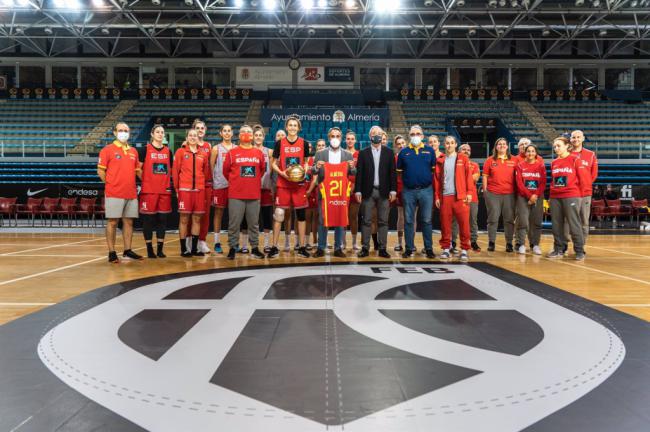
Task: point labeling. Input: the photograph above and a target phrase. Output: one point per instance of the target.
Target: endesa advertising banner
(377, 116)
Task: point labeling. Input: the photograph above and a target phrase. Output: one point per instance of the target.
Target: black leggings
(156, 221)
(266, 217)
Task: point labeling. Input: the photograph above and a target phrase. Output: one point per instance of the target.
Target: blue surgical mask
(375, 139)
(416, 140)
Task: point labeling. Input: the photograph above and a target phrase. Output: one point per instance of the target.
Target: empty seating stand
(432, 115)
(214, 112)
(614, 129)
(47, 127)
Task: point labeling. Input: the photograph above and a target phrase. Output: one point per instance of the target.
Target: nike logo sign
(30, 193)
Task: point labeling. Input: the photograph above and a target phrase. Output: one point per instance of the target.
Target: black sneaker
(383, 254)
(186, 254)
(320, 253)
(509, 247)
(112, 258)
(273, 252)
(430, 254)
(517, 246)
(243, 250)
(150, 252)
(339, 253)
(407, 254)
(491, 247)
(198, 253)
(454, 251)
(302, 252)
(231, 253)
(476, 247)
(255, 253)
(160, 254)
(363, 253)
(132, 255)
(398, 248)
(267, 249)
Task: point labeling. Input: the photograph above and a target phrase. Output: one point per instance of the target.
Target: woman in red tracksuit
(531, 182)
(568, 174)
(453, 196)
(190, 170)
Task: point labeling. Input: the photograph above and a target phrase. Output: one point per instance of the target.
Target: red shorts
(220, 197)
(286, 198)
(191, 202)
(267, 198)
(151, 203)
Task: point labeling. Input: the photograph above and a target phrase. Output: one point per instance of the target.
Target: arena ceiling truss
(345, 29)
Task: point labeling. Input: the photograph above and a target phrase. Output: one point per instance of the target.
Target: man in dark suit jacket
(375, 187)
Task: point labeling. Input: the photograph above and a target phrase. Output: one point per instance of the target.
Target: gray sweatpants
(529, 221)
(498, 206)
(383, 207)
(585, 215)
(566, 209)
(473, 224)
(237, 210)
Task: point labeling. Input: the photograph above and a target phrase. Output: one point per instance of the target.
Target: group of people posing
(262, 189)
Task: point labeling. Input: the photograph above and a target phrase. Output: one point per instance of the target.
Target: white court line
(628, 304)
(22, 423)
(618, 251)
(51, 255)
(33, 275)
(585, 267)
(26, 304)
(52, 246)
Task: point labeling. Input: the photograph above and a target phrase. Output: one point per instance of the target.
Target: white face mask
(416, 140)
(335, 143)
(122, 137)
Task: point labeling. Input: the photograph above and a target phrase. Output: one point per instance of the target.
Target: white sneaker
(464, 257)
(537, 250)
(445, 254)
(355, 247)
(203, 247)
(522, 250)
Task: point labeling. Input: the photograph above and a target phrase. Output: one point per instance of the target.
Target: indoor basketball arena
(324, 215)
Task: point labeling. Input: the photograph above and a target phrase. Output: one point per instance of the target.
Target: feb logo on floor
(340, 347)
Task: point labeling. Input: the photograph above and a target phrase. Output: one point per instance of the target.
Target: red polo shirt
(501, 175)
(120, 161)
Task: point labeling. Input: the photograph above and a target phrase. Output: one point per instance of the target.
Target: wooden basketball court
(39, 270)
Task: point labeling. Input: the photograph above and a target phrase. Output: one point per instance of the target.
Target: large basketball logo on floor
(360, 348)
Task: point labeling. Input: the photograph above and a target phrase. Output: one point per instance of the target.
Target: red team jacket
(588, 160)
(335, 193)
(190, 170)
(531, 179)
(462, 175)
(567, 177)
(244, 168)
